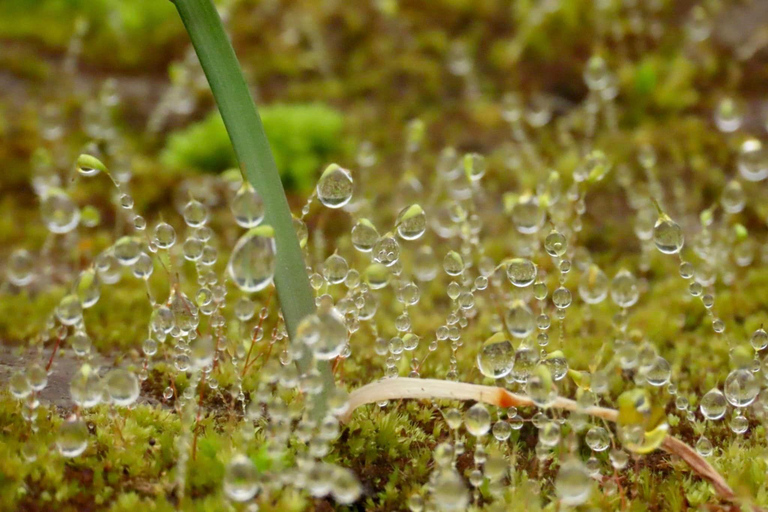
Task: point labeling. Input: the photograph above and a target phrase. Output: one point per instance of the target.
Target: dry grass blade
(435, 389)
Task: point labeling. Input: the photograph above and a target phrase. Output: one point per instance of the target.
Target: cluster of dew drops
(376, 305)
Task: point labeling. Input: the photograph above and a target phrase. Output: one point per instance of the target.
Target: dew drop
(241, 479)
(60, 214)
(496, 357)
(72, 438)
(411, 222)
(247, 207)
(253, 260)
(334, 189)
(122, 386)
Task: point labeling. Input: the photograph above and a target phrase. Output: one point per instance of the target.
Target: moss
(303, 137)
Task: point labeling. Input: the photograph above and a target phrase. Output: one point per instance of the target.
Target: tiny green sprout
(88, 165)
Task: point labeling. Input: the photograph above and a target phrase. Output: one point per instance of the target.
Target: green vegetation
(563, 202)
(302, 138)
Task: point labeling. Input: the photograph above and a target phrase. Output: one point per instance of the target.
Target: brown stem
(432, 389)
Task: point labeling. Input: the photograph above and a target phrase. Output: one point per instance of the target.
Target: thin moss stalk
(219, 62)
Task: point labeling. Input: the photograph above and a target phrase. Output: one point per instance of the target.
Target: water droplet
(241, 479)
(364, 235)
(72, 438)
(521, 272)
(555, 244)
(127, 251)
(386, 251)
(667, 235)
(334, 189)
(20, 268)
(69, 311)
(519, 320)
(60, 214)
(659, 373)
(247, 207)
(411, 222)
(593, 285)
(122, 386)
(477, 419)
(324, 332)
(759, 339)
(753, 160)
(713, 404)
(335, 269)
(88, 165)
(741, 388)
(195, 213)
(19, 385)
(573, 483)
(495, 357)
(624, 290)
(453, 263)
(85, 388)
(527, 215)
(733, 197)
(165, 235)
(88, 288)
(474, 166)
(704, 447)
(598, 439)
(253, 260)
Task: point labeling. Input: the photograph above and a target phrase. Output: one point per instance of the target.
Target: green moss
(303, 138)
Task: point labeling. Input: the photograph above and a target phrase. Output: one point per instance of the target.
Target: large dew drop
(593, 285)
(334, 189)
(713, 405)
(364, 235)
(521, 272)
(60, 214)
(72, 438)
(20, 268)
(324, 332)
(573, 483)
(241, 479)
(519, 320)
(411, 222)
(668, 235)
(122, 386)
(496, 357)
(247, 207)
(252, 263)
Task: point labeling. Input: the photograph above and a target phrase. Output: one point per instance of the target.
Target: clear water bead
(247, 207)
(477, 419)
(573, 483)
(253, 260)
(72, 438)
(411, 222)
(624, 290)
(453, 263)
(20, 268)
(713, 404)
(165, 235)
(593, 285)
(334, 189)
(364, 235)
(195, 213)
(521, 272)
(241, 479)
(741, 388)
(60, 214)
(668, 235)
(122, 386)
(496, 357)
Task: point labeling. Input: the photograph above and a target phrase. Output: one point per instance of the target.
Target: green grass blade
(246, 132)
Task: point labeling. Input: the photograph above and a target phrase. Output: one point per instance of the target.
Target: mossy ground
(379, 75)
